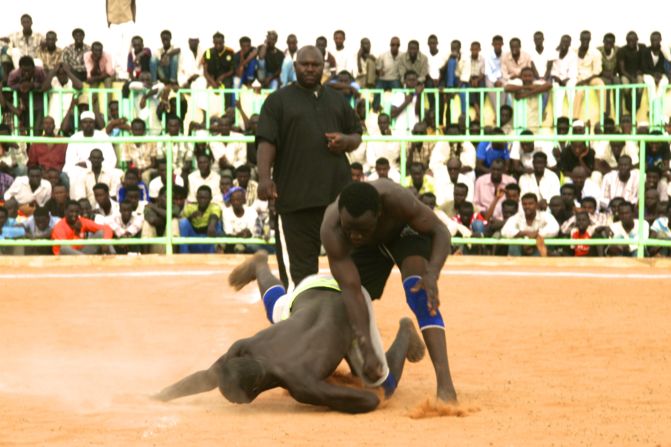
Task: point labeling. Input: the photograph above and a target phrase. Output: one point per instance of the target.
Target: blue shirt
(10, 231)
(487, 153)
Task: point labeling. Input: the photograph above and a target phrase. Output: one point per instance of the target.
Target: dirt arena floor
(543, 352)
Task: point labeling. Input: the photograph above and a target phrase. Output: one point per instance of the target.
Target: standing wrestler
(372, 227)
(302, 350)
(304, 133)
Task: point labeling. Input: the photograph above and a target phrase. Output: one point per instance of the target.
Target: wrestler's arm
(336, 397)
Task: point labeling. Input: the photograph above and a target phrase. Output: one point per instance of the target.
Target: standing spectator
(328, 72)
(218, 68)
(75, 227)
(564, 75)
(527, 93)
(288, 74)
(436, 60)
(414, 60)
(656, 77)
(609, 67)
(303, 126)
(529, 223)
(28, 80)
(200, 219)
(472, 75)
(486, 185)
(387, 69)
(621, 183)
(100, 71)
(514, 61)
(120, 21)
(245, 63)
(493, 73)
(59, 79)
(138, 60)
(73, 54)
(540, 58)
(29, 191)
(50, 55)
(270, 62)
(589, 70)
(542, 182)
(405, 108)
(365, 66)
(25, 42)
(343, 58)
(631, 70)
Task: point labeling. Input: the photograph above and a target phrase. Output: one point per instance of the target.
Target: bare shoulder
(395, 198)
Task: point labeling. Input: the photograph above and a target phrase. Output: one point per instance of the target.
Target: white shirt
(612, 186)
(544, 223)
(493, 67)
(80, 152)
(407, 119)
(188, 64)
(59, 102)
(590, 65)
(436, 62)
(443, 150)
(620, 233)
(156, 184)
(134, 225)
(234, 224)
(21, 191)
(102, 218)
(345, 61)
(391, 150)
(527, 158)
(566, 67)
(545, 189)
(82, 186)
(393, 175)
(235, 153)
(540, 61)
(196, 181)
(589, 189)
(445, 187)
(603, 151)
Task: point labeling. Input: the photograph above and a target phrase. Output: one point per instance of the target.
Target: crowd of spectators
(536, 190)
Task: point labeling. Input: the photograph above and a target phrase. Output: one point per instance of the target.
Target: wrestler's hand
(372, 368)
(337, 142)
(429, 283)
(267, 189)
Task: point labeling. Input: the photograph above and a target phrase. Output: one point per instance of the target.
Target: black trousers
(298, 244)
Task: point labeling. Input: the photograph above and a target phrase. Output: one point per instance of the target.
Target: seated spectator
(99, 65)
(218, 69)
(288, 74)
(487, 184)
(651, 205)
(522, 153)
(419, 179)
(9, 228)
(451, 208)
(487, 152)
(159, 181)
(528, 93)
(83, 186)
(542, 182)
(383, 170)
(589, 70)
(494, 225)
(608, 153)
(583, 229)
(589, 205)
(75, 227)
(391, 150)
(126, 224)
(13, 156)
(86, 209)
(201, 219)
(239, 220)
(530, 224)
(77, 155)
(47, 155)
(203, 176)
(227, 155)
(405, 107)
(584, 186)
(115, 123)
(471, 76)
(165, 64)
(140, 156)
(105, 209)
(245, 63)
(576, 154)
(660, 230)
(182, 153)
(626, 228)
(58, 201)
(225, 185)
(132, 177)
(29, 191)
(138, 60)
(346, 85)
(243, 179)
(357, 172)
(471, 219)
(270, 60)
(134, 196)
(429, 199)
(621, 183)
(463, 151)
(39, 226)
(657, 153)
(445, 183)
(495, 210)
(154, 224)
(60, 82)
(365, 65)
(73, 54)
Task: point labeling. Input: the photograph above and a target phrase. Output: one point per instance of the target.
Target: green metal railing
(168, 240)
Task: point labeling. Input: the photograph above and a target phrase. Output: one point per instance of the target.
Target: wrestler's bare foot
(245, 273)
(416, 348)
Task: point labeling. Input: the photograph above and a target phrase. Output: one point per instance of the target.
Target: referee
(303, 135)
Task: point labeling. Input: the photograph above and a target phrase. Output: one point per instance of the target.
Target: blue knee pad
(418, 302)
(389, 385)
(270, 298)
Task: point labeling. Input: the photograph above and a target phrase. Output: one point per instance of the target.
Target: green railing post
(168, 198)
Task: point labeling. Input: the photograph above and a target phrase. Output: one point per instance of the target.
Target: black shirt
(631, 58)
(568, 160)
(274, 59)
(306, 173)
(219, 63)
(647, 64)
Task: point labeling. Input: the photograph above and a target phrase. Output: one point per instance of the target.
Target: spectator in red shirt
(74, 226)
(48, 155)
(582, 230)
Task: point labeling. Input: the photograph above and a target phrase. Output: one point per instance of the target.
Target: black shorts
(375, 262)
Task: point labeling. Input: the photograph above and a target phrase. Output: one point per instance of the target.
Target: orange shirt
(580, 250)
(63, 231)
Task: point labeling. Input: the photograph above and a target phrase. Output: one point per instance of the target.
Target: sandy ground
(550, 352)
